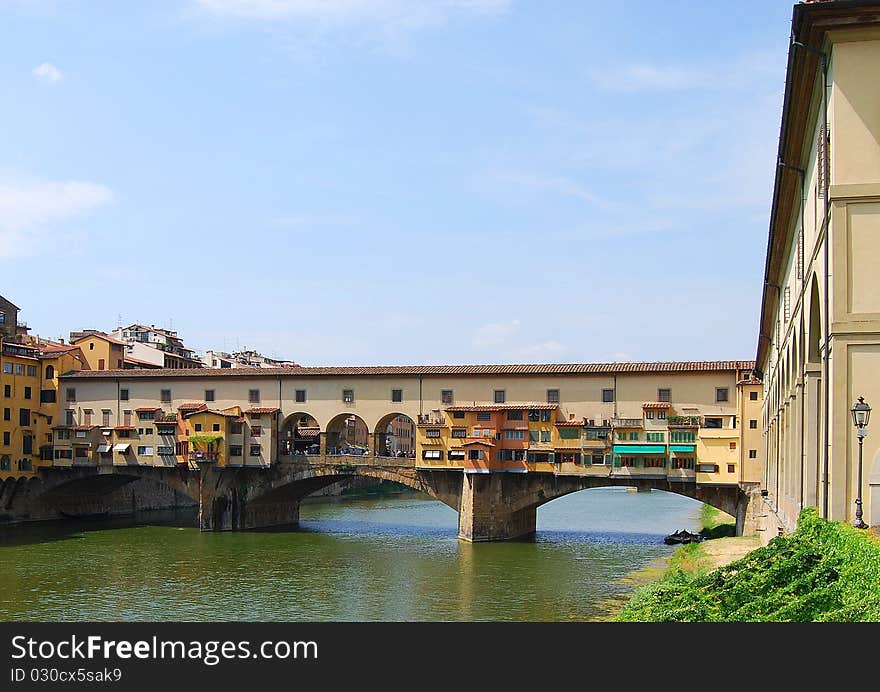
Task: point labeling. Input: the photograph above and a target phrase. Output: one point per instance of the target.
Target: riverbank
(825, 571)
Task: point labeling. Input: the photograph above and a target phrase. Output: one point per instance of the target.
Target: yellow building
(102, 352)
(819, 343)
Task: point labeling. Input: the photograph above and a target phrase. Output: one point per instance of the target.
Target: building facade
(676, 420)
(819, 341)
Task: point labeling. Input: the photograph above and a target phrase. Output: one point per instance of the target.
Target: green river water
(393, 558)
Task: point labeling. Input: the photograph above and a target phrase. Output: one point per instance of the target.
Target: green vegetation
(825, 571)
(716, 523)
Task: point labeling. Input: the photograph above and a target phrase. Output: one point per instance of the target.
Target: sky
(357, 182)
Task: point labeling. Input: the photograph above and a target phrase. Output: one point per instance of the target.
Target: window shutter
(821, 161)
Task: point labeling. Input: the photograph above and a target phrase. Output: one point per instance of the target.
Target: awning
(103, 449)
(683, 448)
(121, 447)
(639, 449)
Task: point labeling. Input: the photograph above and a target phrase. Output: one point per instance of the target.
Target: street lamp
(861, 414)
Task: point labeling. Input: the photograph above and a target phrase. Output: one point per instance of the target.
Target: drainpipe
(823, 64)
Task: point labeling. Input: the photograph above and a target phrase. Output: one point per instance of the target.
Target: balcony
(204, 456)
(432, 419)
(627, 423)
(684, 421)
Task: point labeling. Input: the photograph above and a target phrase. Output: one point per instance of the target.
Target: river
(391, 558)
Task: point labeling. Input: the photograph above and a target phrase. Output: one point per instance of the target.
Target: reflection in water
(395, 559)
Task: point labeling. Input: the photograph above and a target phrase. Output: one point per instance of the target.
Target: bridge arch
(299, 434)
(394, 435)
(347, 433)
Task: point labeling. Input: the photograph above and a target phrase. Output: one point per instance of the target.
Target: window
(215, 427)
(682, 436)
(7, 390)
(68, 416)
(235, 450)
(123, 395)
(514, 434)
(256, 430)
(300, 396)
(254, 396)
(626, 461)
(432, 454)
(661, 415)
(396, 395)
(209, 395)
(27, 444)
(71, 394)
(148, 431)
(545, 416)
(570, 433)
(165, 450)
(487, 432)
(347, 396)
(432, 433)
(64, 454)
(101, 364)
(446, 396)
(147, 415)
(256, 450)
(235, 427)
(145, 451)
(753, 454)
(649, 415)
(545, 436)
(499, 396)
(534, 435)
(731, 468)
(514, 415)
(24, 417)
(655, 462)
(105, 418)
(455, 455)
(6, 438)
(19, 369)
(27, 392)
(655, 437)
(707, 468)
(198, 427)
(633, 436)
(475, 454)
(126, 417)
(753, 396)
(458, 414)
(484, 416)
(683, 463)
(732, 445)
(664, 395)
(552, 396)
(714, 423)
(31, 370)
(7, 368)
(2, 317)
(92, 346)
(165, 396)
(459, 433)
(721, 394)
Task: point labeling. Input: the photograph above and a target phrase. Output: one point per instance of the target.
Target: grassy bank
(825, 571)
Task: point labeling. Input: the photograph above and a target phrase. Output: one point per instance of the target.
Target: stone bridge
(491, 507)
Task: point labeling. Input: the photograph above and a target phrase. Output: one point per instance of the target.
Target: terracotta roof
(308, 432)
(750, 381)
(125, 427)
(147, 408)
(503, 407)
(196, 412)
(257, 411)
(485, 443)
(657, 404)
(85, 427)
(569, 423)
(192, 406)
(429, 370)
(105, 337)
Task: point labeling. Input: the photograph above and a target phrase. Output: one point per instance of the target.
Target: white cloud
(558, 184)
(26, 207)
(48, 73)
(495, 334)
(392, 13)
(544, 350)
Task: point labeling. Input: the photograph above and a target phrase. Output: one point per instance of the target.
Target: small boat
(683, 536)
(95, 516)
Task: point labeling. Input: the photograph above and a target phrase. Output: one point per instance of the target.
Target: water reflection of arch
(395, 435)
(347, 433)
(300, 434)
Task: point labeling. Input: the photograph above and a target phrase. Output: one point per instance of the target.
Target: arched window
(50, 372)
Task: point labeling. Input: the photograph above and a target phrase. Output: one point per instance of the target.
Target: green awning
(639, 449)
(683, 448)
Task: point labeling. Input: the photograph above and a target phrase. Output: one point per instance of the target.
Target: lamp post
(861, 414)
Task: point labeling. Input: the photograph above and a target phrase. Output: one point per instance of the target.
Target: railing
(627, 422)
(684, 421)
(204, 456)
(426, 419)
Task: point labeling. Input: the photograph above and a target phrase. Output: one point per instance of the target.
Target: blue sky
(394, 181)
